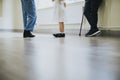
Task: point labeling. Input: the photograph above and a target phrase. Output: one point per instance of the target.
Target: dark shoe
(93, 33)
(28, 34)
(59, 35)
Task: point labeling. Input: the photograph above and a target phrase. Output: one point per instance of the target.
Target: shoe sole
(94, 34)
(28, 36)
(59, 36)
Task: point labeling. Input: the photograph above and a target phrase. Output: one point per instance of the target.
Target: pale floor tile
(47, 58)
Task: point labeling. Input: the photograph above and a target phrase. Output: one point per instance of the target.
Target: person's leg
(94, 13)
(61, 25)
(29, 17)
(87, 13)
(24, 13)
(31, 14)
(91, 9)
(90, 13)
(61, 29)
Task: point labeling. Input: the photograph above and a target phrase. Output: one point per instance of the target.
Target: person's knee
(33, 17)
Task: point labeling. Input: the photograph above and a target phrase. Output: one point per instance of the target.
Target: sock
(62, 32)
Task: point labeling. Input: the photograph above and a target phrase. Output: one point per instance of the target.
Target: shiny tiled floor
(47, 58)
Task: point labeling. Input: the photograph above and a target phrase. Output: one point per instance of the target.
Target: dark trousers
(91, 12)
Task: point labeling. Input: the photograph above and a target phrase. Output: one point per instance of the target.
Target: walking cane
(81, 24)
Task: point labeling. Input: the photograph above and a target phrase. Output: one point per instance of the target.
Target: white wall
(73, 14)
(12, 15)
(41, 4)
(7, 17)
(17, 12)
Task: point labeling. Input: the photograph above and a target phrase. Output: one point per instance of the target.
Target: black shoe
(28, 34)
(59, 35)
(93, 33)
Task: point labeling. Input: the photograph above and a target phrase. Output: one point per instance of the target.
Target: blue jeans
(29, 14)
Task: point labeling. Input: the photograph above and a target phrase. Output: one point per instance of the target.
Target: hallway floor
(47, 58)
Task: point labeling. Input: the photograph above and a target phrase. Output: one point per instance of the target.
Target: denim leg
(24, 13)
(29, 14)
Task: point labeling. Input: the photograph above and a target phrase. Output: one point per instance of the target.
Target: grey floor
(47, 58)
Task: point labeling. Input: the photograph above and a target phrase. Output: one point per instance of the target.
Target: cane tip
(79, 34)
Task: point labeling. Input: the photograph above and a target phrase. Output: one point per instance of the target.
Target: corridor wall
(73, 15)
(0, 8)
(109, 14)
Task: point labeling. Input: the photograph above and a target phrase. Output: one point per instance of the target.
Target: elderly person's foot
(28, 34)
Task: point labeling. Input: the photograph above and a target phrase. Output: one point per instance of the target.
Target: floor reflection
(103, 60)
(49, 58)
(12, 65)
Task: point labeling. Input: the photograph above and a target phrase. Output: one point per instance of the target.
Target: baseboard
(46, 31)
(11, 30)
(104, 33)
(51, 31)
(110, 33)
